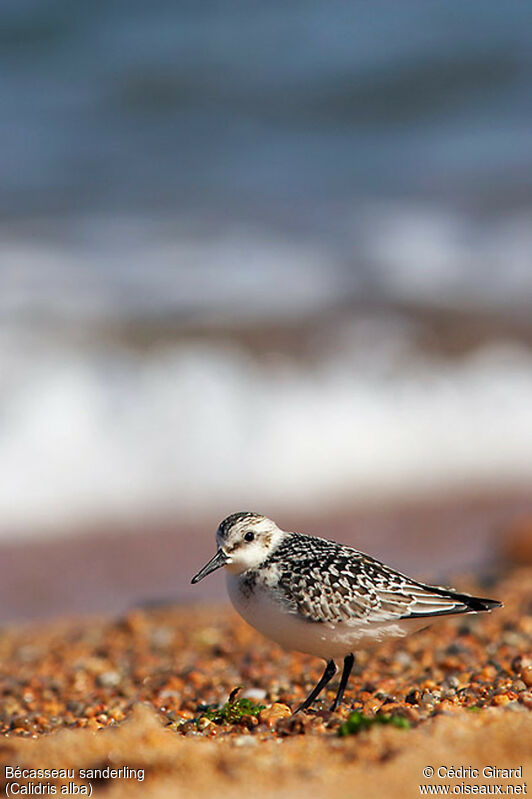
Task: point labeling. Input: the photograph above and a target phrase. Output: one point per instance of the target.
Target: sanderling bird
(323, 598)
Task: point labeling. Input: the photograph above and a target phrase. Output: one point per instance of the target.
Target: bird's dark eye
(249, 536)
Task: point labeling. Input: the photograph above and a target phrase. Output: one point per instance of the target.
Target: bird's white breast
(270, 616)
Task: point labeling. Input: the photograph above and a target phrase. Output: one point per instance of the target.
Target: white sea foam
(131, 267)
(92, 429)
(432, 254)
(207, 430)
(93, 268)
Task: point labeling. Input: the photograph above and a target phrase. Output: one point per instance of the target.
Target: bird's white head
(245, 540)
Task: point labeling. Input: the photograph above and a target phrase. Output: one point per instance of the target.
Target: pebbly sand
(97, 693)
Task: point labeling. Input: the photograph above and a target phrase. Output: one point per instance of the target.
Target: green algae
(231, 712)
(357, 722)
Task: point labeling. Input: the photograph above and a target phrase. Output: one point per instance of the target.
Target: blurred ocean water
(263, 106)
(173, 170)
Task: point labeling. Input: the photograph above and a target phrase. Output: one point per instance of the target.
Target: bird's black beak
(219, 560)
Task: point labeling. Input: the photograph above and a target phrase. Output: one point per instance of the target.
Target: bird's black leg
(328, 674)
(348, 665)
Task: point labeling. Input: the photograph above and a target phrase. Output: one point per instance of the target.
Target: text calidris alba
(320, 597)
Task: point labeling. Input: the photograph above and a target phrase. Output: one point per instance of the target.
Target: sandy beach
(137, 693)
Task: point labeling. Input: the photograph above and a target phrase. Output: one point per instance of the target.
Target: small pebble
(257, 694)
(501, 699)
(108, 679)
(272, 714)
(205, 724)
(526, 676)
(244, 740)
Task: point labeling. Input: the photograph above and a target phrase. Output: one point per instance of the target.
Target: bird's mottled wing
(328, 582)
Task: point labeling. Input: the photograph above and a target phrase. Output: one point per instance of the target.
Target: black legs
(328, 674)
(348, 665)
(326, 677)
